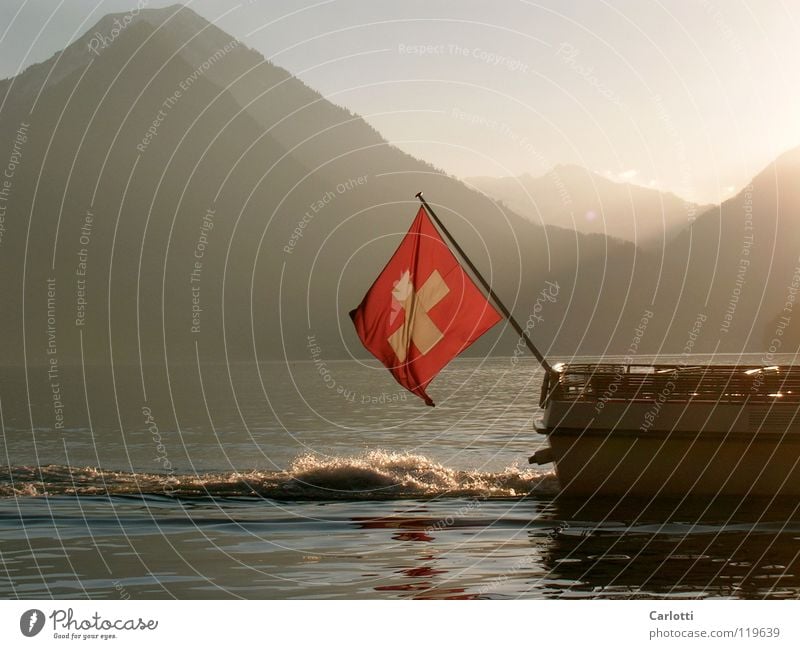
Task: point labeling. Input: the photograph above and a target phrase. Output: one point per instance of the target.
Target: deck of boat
(634, 429)
(682, 383)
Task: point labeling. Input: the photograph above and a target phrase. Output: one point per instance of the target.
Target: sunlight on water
(372, 475)
(317, 493)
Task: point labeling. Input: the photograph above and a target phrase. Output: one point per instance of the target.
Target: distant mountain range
(742, 260)
(570, 196)
(231, 208)
(176, 196)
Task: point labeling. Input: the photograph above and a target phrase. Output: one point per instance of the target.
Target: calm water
(274, 481)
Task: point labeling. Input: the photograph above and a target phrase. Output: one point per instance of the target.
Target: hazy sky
(693, 96)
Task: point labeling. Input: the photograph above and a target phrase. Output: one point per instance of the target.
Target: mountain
(572, 197)
(172, 201)
(177, 195)
(745, 262)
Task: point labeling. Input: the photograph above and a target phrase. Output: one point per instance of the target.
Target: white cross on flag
(423, 310)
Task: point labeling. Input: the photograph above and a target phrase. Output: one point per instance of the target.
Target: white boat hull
(677, 447)
(675, 464)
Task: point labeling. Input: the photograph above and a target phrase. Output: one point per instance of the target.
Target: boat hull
(675, 463)
(673, 430)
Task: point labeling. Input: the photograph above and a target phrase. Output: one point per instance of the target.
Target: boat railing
(664, 382)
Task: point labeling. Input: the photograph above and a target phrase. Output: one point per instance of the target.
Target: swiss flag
(423, 310)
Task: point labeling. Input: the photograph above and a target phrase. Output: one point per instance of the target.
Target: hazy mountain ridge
(750, 253)
(157, 169)
(270, 156)
(573, 197)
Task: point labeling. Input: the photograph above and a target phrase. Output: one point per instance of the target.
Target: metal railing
(718, 383)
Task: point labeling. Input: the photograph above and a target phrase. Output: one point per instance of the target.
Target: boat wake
(373, 475)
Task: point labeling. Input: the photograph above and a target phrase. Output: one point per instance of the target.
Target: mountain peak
(790, 158)
(177, 21)
(573, 197)
(153, 15)
(193, 37)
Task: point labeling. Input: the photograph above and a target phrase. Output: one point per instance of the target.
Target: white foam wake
(374, 474)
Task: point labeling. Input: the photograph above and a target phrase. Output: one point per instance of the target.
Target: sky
(689, 96)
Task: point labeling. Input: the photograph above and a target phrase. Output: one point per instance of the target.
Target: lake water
(325, 480)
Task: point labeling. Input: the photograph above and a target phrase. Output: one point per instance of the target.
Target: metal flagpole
(506, 313)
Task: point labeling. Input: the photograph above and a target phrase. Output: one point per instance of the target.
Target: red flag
(423, 310)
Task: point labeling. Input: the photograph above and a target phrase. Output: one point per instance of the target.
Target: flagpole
(498, 302)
